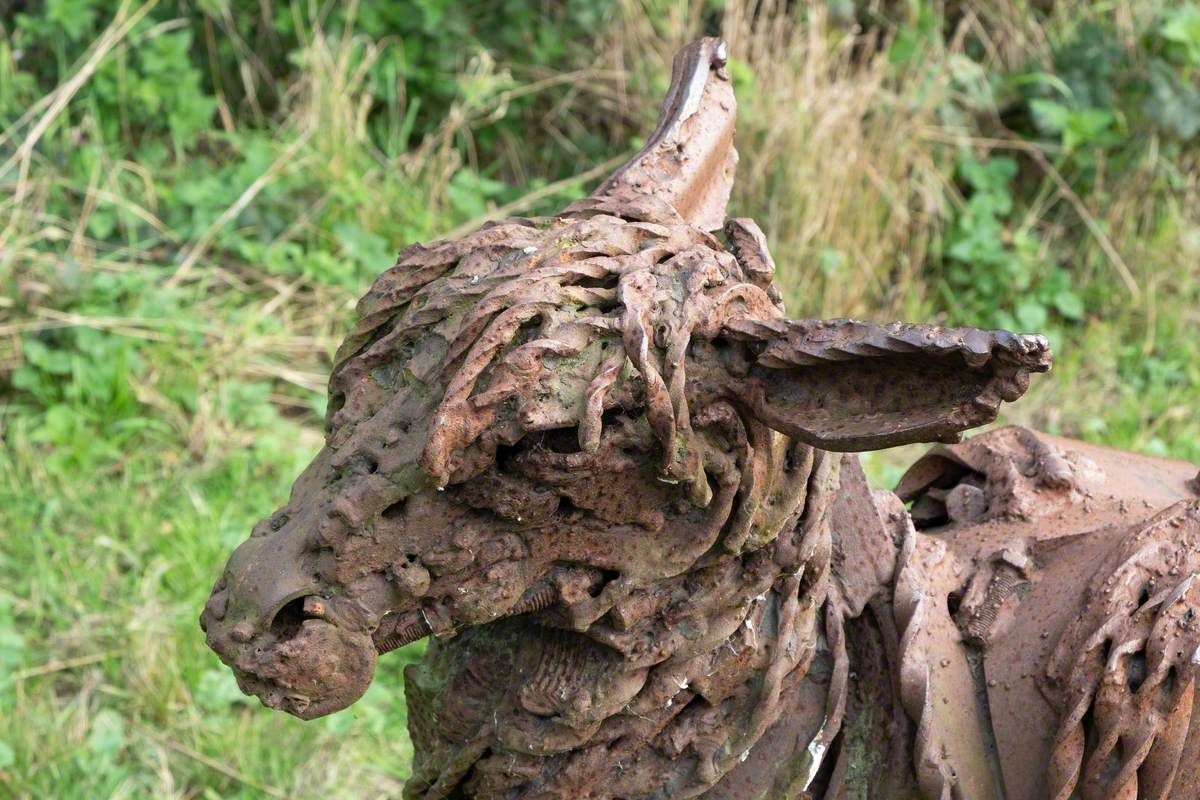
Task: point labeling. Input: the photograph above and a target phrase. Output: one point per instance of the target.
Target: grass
(189, 212)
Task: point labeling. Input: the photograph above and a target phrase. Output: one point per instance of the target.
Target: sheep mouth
(305, 663)
(309, 668)
(275, 696)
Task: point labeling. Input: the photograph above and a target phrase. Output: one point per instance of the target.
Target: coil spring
(539, 601)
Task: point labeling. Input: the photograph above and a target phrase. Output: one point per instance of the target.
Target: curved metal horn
(689, 160)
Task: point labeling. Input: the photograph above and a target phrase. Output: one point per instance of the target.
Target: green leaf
(1172, 103)
(743, 77)
(469, 192)
(102, 223)
(1050, 116)
(60, 425)
(107, 738)
(49, 360)
(904, 47)
(1181, 26)
(1068, 304)
(370, 251)
(74, 17)
(1087, 127)
(1031, 315)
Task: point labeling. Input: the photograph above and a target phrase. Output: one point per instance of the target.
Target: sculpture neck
(689, 160)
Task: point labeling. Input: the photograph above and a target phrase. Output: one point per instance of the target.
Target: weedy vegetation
(193, 194)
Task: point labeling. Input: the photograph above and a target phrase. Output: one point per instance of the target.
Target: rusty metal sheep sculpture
(593, 459)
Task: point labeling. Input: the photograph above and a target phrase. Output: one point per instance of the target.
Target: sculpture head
(572, 418)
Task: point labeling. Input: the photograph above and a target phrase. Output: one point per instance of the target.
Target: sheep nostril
(288, 620)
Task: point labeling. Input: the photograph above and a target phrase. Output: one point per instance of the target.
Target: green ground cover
(193, 194)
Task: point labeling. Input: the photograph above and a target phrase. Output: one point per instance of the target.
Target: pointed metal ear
(849, 385)
(689, 160)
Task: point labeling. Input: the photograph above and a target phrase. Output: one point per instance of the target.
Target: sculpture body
(591, 456)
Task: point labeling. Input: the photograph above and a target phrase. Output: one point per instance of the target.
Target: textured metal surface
(1061, 573)
(590, 456)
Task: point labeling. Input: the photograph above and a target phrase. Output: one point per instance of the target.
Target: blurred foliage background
(193, 194)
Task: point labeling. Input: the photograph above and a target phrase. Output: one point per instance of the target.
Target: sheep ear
(847, 385)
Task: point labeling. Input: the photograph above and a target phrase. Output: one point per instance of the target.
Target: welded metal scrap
(593, 459)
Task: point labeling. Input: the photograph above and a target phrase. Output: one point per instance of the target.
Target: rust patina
(591, 456)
